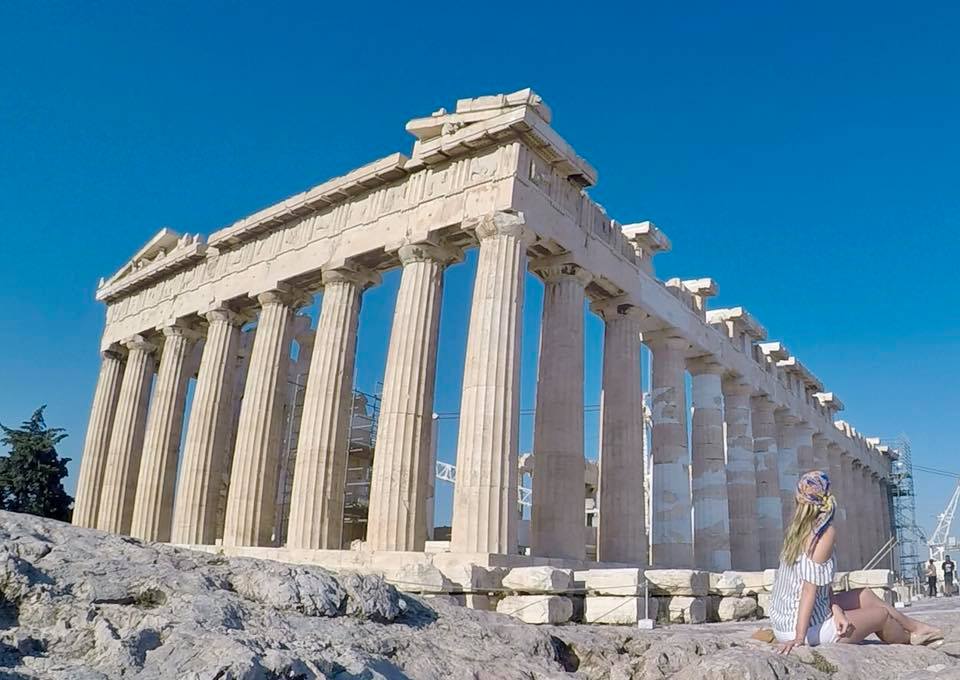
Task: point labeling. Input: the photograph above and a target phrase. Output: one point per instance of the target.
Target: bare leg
(893, 633)
(869, 600)
(866, 621)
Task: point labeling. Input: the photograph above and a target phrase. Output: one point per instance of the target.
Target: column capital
(139, 342)
(667, 338)
(737, 385)
(785, 417)
(180, 330)
(283, 294)
(610, 309)
(114, 351)
(705, 365)
(552, 271)
(428, 252)
(225, 315)
(499, 224)
(360, 276)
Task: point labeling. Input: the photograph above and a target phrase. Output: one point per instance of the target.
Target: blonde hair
(800, 529)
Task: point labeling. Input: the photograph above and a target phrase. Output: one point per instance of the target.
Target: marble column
(319, 477)
(621, 534)
(864, 538)
(741, 476)
(821, 460)
(485, 496)
(126, 439)
(402, 462)
(769, 506)
(711, 510)
(835, 471)
(804, 446)
(882, 531)
(206, 450)
(557, 518)
(95, 447)
(672, 540)
(848, 499)
(153, 507)
(788, 464)
(251, 507)
(888, 529)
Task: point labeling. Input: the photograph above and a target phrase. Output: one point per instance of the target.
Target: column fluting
(251, 499)
(319, 476)
(557, 520)
(835, 470)
(672, 540)
(769, 506)
(96, 445)
(402, 461)
(803, 434)
(741, 476)
(485, 510)
(788, 464)
(821, 459)
(126, 440)
(711, 510)
(621, 534)
(206, 450)
(153, 507)
(848, 499)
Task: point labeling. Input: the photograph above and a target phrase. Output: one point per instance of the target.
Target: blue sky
(803, 155)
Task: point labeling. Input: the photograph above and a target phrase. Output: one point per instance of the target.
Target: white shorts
(824, 634)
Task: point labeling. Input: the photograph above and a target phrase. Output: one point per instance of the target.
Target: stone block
(902, 594)
(713, 608)
(617, 610)
(468, 576)
(538, 580)
(871, 578)
(687, 582)
(885, 595)
(683, 609)
(737, 608)
(418, 578)
(841, 581)
(769, 575)
(551, 609)
(763, 604)
(611, 581)
(736, 583)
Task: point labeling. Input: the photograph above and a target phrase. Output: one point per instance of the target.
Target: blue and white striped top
(785, 600)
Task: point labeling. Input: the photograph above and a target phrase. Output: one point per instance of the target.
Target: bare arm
(821, 553)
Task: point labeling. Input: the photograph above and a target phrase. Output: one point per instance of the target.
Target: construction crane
(938, 541)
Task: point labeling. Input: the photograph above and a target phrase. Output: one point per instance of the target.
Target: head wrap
(814, 489)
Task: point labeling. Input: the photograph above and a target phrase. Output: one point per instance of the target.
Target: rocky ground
(81, 605)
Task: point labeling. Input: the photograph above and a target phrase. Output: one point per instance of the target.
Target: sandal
(933, 638)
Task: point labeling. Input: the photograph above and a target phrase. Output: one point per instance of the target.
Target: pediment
(165, 251)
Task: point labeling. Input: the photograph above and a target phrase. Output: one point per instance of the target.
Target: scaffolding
(902, 500)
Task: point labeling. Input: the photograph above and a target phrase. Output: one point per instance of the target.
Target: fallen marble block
(769, 575)
(538, 580)
(737, 608)
(871, 578)
(683, 609)
(617, 610)
(688, 582)
(549, 609)
(611, 581)
(736, 583)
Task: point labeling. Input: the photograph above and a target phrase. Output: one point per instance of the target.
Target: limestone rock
(687, 582)
(611, 581)
(618, 610)
(538, 580)
(737, 608)
(537, 608)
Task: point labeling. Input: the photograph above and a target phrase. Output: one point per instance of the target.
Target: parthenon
(491, 175)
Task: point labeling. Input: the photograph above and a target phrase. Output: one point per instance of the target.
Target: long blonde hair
(800, 529)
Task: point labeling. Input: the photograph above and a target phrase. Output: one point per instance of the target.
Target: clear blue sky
(802, 154)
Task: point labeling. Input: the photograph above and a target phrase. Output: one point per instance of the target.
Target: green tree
(31, 477)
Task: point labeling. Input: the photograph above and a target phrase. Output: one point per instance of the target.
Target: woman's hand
(787, 647)
(844, 627)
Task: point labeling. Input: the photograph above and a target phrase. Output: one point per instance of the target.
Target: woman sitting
(804, 608)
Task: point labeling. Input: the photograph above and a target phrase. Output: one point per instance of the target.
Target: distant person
(931, 571)
(804, 608)
(948, 570)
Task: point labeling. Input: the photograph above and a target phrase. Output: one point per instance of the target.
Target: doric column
(769, 506)
(741, 476)
(882, 532)
(804, 446)
(672, 544)
(251, 499)
(126, 440)
(485, 495)
(711, 510)
(789, 467)
(206, 450)
(835, 470)
(821, 459)
(316, 501)
(886, 524)
(848, 500)
(557, 518)
(621, 535)
(402, 462)
(153, 508)
(860, 474)
(94, 459)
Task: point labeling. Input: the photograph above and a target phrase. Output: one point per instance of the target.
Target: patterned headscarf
(814, 489)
